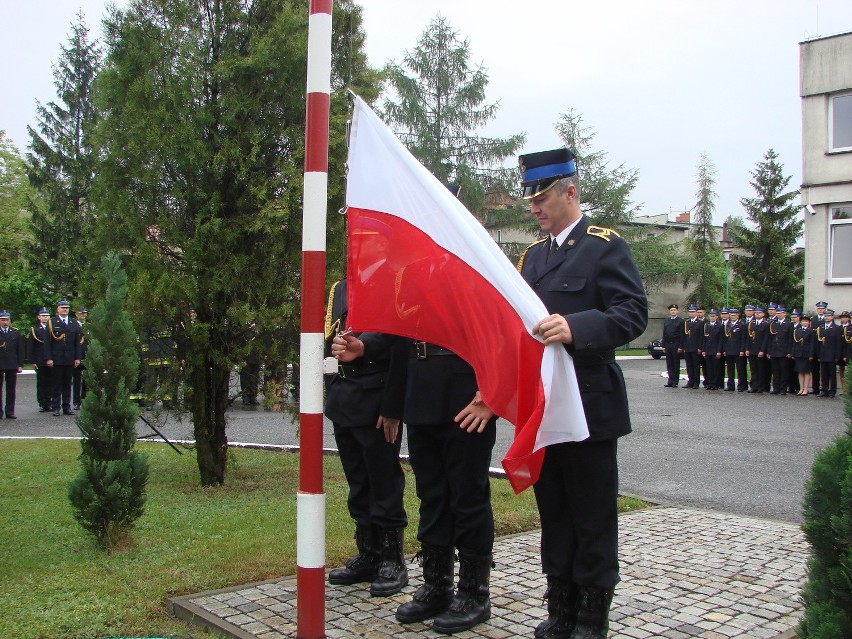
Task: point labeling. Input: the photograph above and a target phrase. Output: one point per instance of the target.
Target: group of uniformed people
(588, 281)
(56, 346)
(762, 351)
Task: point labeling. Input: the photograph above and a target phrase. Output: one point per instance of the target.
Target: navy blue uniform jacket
(594, 283)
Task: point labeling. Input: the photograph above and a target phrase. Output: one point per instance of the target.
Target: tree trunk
(209, 401)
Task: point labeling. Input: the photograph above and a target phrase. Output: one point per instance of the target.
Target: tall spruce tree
(708, 266)
(109, 494)
(62, 163)
(769, 268)
(439, 104)
(202, 135)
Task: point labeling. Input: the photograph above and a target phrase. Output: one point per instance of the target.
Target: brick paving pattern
(685, 573)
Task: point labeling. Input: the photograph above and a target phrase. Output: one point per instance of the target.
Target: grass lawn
(55, 583)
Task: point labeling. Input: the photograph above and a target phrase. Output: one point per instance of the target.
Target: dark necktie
(554, 246)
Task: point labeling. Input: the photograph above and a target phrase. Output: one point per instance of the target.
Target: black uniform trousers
(712, 371)
(375, 477)
(44, 390)
(737, 364)
(451, 474)
(577, 495)
(673, 364)
(11, 382)
(780, 374)
(60, 378)
(759, 376)
(693, 371)
(78, 384)
(828, 378)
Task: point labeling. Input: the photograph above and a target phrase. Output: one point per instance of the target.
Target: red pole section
(310, 501)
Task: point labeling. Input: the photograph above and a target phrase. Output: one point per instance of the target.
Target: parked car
(655, 349)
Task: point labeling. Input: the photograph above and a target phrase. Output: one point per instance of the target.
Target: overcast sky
(659, 81)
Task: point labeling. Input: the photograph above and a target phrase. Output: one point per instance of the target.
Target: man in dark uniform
(748, 323)
(673, 345)
(758, 344)
(816, 366)
(63, 356)
(11, 362)
(587, 279)
(711, 348)
(829, 335)
(37, 356)
(692, 331)
(78, 390)
(779, 348)
(735, 334)
(364, 400)
(721, 371)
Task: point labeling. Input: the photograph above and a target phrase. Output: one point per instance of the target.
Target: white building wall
(825, 70)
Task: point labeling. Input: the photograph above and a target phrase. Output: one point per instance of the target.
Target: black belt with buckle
(589, 359)
(422, 350)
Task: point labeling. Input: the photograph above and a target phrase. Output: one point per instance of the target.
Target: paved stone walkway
(685, 573)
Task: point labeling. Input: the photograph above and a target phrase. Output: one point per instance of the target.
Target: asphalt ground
(725, 451)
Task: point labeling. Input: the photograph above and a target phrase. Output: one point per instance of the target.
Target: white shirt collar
(560, 239)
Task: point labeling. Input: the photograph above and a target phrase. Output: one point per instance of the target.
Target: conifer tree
(62, 162)
(828, 527)
(440, 102)
(769, 268)
(109, 493)
(708, 268)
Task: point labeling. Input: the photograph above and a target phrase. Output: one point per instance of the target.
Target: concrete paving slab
(685, 573)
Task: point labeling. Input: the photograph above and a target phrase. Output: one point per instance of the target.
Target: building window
(840, 122)
(840, 243)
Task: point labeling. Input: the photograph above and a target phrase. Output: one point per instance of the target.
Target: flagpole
(310, 501)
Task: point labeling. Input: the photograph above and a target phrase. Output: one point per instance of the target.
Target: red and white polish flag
(420, 265)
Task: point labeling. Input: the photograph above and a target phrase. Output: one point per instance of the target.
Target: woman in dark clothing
(802, 351)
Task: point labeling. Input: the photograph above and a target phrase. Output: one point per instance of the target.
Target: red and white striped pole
(310, 501)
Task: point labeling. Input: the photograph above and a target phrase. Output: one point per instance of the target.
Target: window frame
(832, 225)
(831, 147)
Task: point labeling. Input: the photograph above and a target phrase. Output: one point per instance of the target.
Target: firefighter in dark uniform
(815, 364)
(158, 354)
(587, 279)
(673, 345)
(78, 390)
(711, 348)
(364, 400)
(779, 347)
(37, 356)
(758, 344)
(734, 345)
(11, 362)
(748, 323)
(693, 328)
(829, 336)
(846, 335)
(63, 356)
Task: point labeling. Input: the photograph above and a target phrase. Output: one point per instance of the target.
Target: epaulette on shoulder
(524, 254)
(331, 327)
(602, 232)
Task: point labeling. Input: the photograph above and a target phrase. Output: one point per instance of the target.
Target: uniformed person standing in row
(63, 356)
(779, 347)
(711, 349)
(37, 339)
(758, 344)
(735, 338)
(816, 366)
(587, 279)
(673, 345)
(693, 329)
(11, 362)
(846, 335)
(78, 390)
(802, 352)
(830, 349)
(748, 322)
(364, 401)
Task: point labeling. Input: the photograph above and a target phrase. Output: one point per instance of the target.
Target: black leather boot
(365, 565)
(593, 614)
(562, 602)
(436, 593)
(472, 602)
(393, 571)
